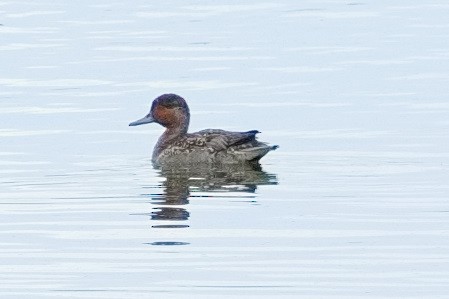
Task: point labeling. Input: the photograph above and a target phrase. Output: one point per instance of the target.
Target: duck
(209, 146)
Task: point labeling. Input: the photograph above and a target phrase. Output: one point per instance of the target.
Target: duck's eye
(171, 103)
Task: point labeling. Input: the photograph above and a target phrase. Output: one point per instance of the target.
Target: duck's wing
(219, 140)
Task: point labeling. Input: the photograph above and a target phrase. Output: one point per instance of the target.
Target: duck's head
(168, 110)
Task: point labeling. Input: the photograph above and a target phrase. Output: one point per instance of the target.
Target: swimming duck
(206, 146)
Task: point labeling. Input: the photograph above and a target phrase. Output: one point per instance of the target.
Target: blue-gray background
(354, 92)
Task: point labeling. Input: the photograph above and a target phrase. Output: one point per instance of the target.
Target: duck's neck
(174, 130)
(172, 133)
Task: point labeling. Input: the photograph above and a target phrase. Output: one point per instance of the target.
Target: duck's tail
(256, 153)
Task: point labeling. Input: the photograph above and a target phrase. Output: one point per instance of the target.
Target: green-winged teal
(206, 146)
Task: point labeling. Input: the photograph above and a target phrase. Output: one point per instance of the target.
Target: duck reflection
(181, 184)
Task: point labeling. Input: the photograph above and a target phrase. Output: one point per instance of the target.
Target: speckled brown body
(206, 146)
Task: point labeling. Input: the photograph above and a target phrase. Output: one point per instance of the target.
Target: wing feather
(222, 140)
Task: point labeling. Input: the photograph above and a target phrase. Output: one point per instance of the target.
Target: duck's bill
(142, 121)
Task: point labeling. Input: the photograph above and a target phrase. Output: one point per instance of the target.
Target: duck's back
(213, 146)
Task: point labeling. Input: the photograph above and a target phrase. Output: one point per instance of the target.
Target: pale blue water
(354, 203)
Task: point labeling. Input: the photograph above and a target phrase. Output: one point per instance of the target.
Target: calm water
(354, 203)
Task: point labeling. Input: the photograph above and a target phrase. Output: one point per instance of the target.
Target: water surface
(353, 204)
